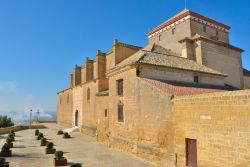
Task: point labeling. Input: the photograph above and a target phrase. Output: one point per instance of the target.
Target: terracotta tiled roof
(178, 90)
(158, 55)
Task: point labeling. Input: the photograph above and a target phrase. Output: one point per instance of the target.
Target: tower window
(159, 37)
(120, 113)
(196, 79)
(204, 29)
(88, 94)
(173, 31)
(217, 35)
(119, 87)
(67, 98)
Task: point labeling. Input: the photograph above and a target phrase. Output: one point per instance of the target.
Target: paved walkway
(79, 149)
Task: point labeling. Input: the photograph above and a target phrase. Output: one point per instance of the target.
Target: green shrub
(9, 140)
(11, 137)
(43, 142)
(36, 132)
(60, 132)
(2, 161)
(50, 145)
(76, 165)
(12, 132)
(66, 135)
(5, 148)
(40, 136)
(5, 122)
(58, 155)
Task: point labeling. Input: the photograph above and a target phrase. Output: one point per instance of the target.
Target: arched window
(88, 94)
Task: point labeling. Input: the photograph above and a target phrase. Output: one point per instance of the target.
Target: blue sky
(41, 40)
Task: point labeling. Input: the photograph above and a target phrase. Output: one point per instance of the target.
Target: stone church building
(177, 102)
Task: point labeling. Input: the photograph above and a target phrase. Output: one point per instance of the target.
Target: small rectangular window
(204, 29)
(106, 113)
(120, 113)
(173, 31)
(119, 87)
(68, 99)
(159, 37)
(196, 79)
(217, 35)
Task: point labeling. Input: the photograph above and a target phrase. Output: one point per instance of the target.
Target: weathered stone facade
(150, 101)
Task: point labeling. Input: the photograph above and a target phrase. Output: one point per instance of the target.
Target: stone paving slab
(79, 149)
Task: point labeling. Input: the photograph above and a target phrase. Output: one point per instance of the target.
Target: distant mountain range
(23, 117)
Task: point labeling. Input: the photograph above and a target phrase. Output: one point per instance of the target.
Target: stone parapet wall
(20, 127)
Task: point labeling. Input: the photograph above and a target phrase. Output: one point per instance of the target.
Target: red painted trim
(209, 26)
(167, 23)
(167, 30)
(209, 20)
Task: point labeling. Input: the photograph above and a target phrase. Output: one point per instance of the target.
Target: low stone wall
(20, 127)
(48, 121)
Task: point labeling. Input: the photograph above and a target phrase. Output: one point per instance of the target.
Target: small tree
(5, 148)
(12, 132)
(5, 122)
(9, 142)
(40, 136)
(11, 137)
(43, 142)
(36, 132)
(50, 145)
(58, 155)
(60, 132)
(66, 135)
(2, 161)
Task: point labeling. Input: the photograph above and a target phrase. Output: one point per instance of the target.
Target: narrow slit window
(119, 85)
(106, 113)
(120, 113)
(88, 94)
(204, 29)
(173, 31)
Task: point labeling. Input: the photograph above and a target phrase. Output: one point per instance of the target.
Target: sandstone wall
(222, 59)
(197, 28)
(169, 40)
(220, 124)
(147, 127)
(102, 120)
(160, 73)
(64, 107)
(154, 124)
(77, 104)
(89, 111)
